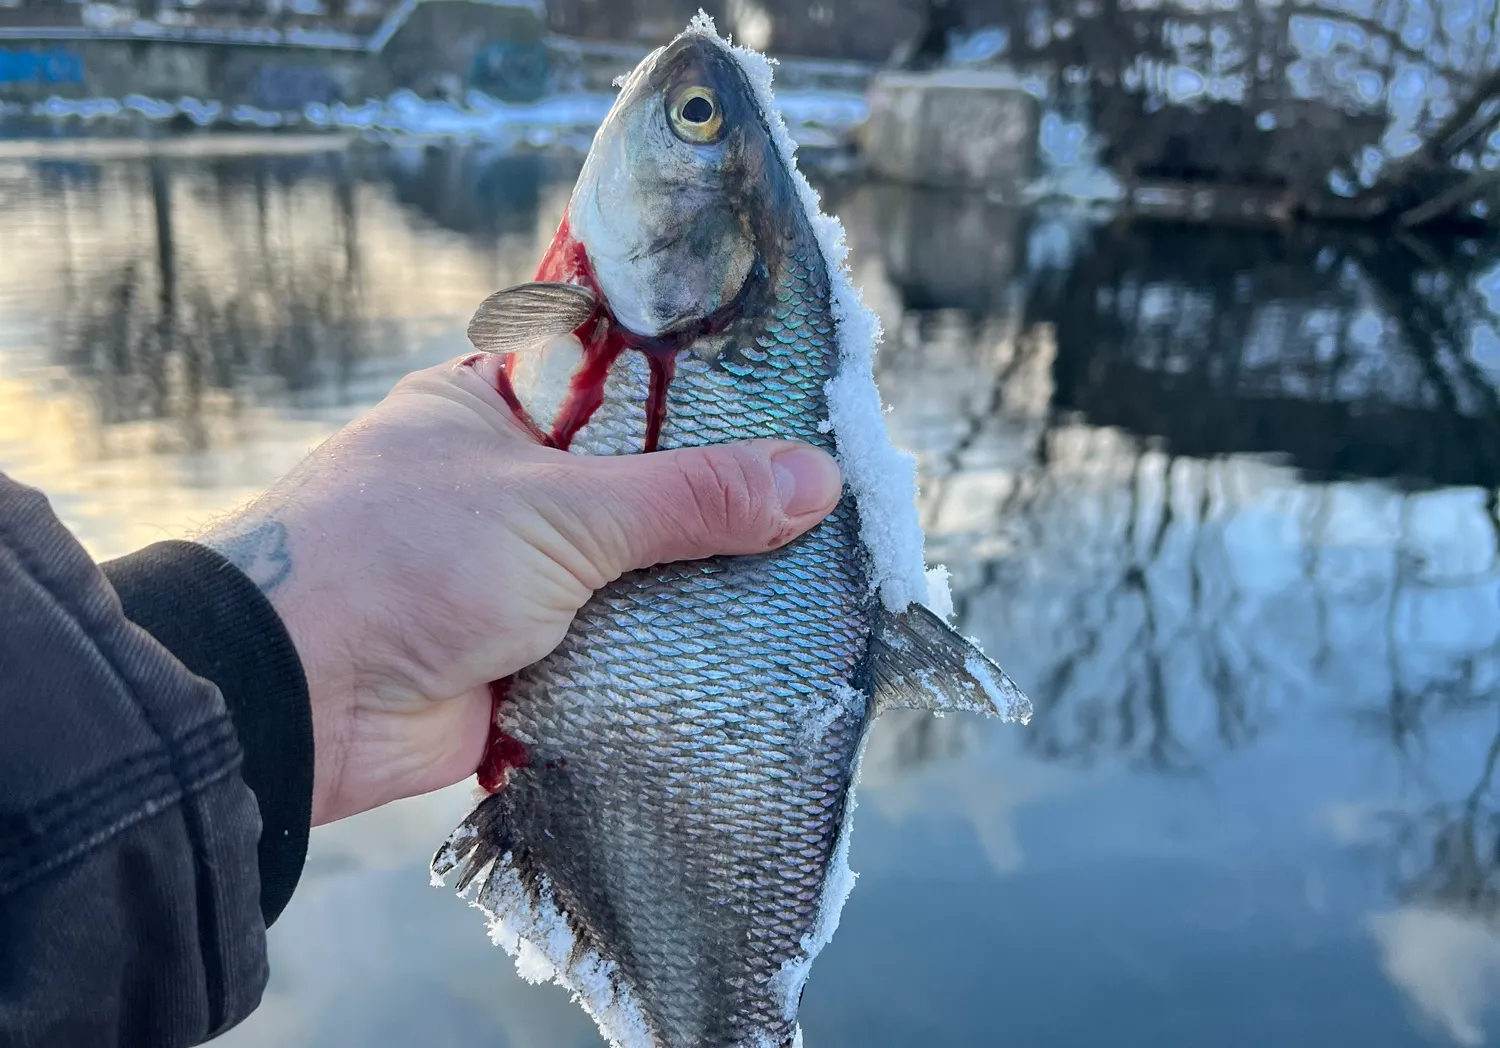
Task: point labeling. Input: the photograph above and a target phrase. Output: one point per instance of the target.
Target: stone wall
(437, 47)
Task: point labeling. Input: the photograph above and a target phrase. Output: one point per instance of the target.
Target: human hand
(432, 546)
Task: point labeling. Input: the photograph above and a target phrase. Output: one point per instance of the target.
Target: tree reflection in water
(1188, 483)
(1190, 443)
(174, 326)
(1206, 486)
(192, 288)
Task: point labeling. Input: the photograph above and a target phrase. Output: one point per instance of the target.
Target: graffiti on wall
(31, 66)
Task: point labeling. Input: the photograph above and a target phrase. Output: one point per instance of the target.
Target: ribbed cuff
(218, 624)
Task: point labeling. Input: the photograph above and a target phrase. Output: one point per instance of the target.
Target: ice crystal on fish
(792, 977)
(537, 937)
(1013, 705)
(882, 477)
(822, 712)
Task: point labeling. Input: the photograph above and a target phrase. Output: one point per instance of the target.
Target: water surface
(1226, 506)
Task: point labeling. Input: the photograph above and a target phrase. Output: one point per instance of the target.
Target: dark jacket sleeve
(130, 895)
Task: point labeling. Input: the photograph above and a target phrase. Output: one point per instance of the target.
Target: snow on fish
(669, 792)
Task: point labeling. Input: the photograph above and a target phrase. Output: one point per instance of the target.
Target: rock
(950, 129)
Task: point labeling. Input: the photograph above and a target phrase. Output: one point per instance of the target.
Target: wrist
(266, 551)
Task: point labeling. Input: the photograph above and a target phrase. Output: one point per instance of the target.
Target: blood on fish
(586, 390)
(566, 260)
(663, 368)
(603, 340)
(503, 752)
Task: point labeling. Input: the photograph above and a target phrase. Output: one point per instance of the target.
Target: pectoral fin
(922, 663)
(527, 315)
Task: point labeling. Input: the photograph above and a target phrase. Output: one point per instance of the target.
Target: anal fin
(922, 663)
(478, 841)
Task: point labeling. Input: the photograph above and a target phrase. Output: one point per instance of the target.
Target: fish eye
(696, 116)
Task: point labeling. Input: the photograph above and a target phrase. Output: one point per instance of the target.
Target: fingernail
(806, 479)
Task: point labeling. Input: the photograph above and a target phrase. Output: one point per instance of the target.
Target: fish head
(674, 199)
(687, 234)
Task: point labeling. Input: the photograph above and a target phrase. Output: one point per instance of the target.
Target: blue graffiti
(40, 67)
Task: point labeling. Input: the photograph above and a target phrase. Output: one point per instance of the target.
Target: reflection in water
(1447, 964)
(484, 194)
(1162, 478)
(947, 249)
(1107, 470)
(1225, 506)
(156, 334)
(1343, 359)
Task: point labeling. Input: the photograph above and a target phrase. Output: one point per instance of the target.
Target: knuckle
(726, 488)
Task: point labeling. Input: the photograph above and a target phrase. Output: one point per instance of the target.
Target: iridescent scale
(693, 739)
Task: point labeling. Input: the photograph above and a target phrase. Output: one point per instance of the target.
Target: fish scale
(636, 718)
(668, 830)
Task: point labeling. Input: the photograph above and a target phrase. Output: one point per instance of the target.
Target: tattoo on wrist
(260, 551)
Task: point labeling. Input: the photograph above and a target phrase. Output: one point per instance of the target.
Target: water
(1226, 506)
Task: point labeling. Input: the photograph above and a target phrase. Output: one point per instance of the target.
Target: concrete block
(950, 128)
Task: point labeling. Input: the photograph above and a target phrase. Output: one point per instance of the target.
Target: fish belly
(691, 748)
(691, 745)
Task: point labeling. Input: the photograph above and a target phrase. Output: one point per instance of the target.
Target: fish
(667, 797)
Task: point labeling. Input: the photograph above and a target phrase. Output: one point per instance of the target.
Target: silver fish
(672, 786)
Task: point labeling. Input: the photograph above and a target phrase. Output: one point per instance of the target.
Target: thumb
(705, 501)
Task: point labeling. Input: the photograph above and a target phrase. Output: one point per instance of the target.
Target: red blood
(503, 752)
(566, 261)
(586, 391)
(603, 340)
(663, 367)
